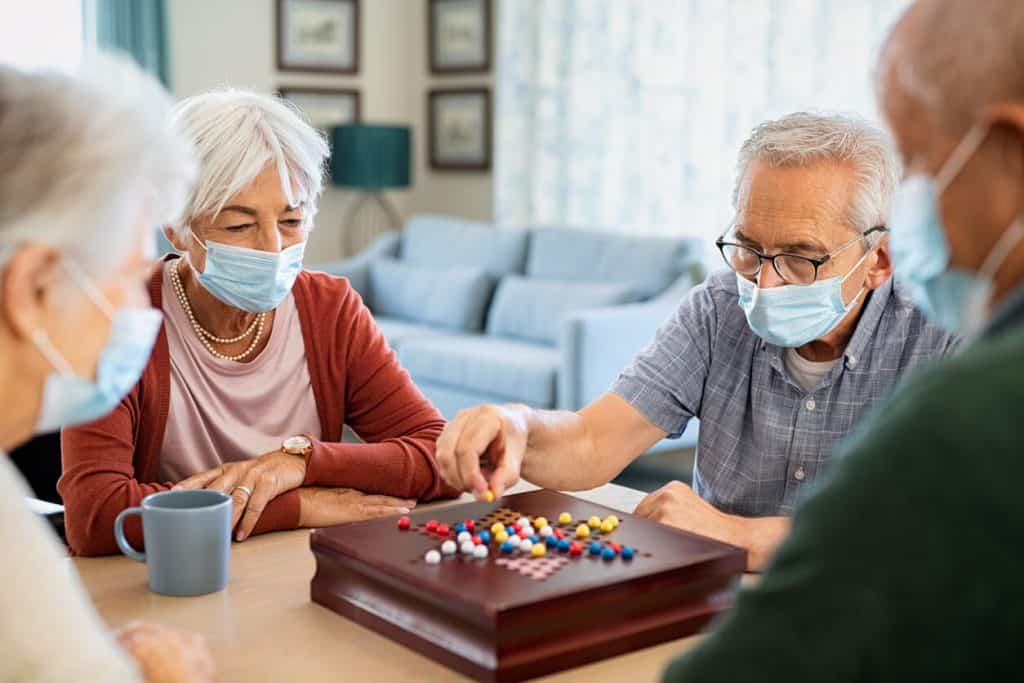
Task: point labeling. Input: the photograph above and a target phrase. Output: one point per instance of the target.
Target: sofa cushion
(455, 298)
(442, 242)
(395, 330)
(534, 309)
(502, 368)
(649, 264)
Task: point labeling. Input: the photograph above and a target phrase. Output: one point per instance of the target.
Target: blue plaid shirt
(763, 438)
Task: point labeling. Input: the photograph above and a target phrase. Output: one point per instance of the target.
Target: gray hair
(88, 163)
(960, 57)
(803, 138)
(237, 134)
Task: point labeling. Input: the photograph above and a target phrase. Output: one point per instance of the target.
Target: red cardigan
(111, 464)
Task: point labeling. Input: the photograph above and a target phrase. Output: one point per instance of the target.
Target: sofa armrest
(357, 268)
(597, 343)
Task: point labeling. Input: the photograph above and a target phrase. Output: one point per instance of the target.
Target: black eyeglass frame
(816, 262)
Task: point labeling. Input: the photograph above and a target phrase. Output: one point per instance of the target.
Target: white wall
(216, 43)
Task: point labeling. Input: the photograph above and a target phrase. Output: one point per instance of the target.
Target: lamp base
(369, 215)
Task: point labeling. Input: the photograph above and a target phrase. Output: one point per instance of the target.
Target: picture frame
(319, 36)
(325, 107)
(460, 129)
(459, 36)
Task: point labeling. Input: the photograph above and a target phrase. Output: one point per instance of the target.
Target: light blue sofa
(546, 316)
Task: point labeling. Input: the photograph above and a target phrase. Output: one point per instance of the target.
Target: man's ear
(1005, 113)
(1008, 119)
(27, 288)
(881, 269)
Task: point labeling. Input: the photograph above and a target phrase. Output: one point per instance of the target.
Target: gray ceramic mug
(188, 540)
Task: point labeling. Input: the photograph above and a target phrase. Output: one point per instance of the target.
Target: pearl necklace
(205, 337)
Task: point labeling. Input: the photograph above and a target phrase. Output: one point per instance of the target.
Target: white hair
(236, 135)
(803, 138)
(88, 163)
(960, 56)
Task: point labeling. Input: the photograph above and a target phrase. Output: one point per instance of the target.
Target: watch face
(296, 443)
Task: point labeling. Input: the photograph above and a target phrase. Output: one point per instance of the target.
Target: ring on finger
(244, 489)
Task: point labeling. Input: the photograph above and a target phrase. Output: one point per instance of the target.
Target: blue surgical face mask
(954, 298)
(250, 279)
(69, 398)
(794, 315)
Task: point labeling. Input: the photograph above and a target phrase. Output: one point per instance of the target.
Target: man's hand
(165, 656)
(495, 433)
(319, 507)
(267, 477)
(676, 504)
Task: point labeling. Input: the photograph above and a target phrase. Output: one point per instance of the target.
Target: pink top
(221, 410)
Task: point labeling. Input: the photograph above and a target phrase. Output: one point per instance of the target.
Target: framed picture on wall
(459, 122)
(325, 107)
(459, 36)
(318, 35)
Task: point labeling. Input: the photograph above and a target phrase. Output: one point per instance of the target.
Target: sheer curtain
(628, 114)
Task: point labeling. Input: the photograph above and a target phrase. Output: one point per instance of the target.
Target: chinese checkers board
(468, 587)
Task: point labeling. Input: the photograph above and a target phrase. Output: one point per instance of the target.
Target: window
(629, 114)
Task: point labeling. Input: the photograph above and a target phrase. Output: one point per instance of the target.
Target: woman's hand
(166, 656)
(327, 507)
(252, 484)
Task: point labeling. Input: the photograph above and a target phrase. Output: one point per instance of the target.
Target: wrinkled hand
(320, 507)
(497, 434)
(676, 504)
(166, 656)
(267, 476)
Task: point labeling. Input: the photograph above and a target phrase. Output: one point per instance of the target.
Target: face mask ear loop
(90, 289)
(1003, 248)
(196, 238)
(960, 156)
(42, 341)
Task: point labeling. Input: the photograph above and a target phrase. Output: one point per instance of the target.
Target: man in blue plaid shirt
(778, 356)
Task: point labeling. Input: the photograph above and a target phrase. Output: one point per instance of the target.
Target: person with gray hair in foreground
(778, 357)
(87, 167)
(905, 566)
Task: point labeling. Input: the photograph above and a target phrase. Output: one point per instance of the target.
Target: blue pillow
(456, 298)
(442, 241)
(649, 264)
(533, 309)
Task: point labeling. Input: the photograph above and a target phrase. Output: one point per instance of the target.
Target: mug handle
(122, 542)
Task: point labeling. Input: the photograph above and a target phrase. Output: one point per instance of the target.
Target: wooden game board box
(510, 618)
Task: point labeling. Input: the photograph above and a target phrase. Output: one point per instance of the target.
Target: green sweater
(908, 564)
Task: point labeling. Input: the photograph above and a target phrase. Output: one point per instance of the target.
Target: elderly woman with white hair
(259, 363)
(87, 165)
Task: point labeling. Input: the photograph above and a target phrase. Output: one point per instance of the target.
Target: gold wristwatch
(298, 445)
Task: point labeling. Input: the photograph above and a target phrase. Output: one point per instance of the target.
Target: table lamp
(369, 159)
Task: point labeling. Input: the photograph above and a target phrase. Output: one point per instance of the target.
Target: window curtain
(628, 114)
(138, 27)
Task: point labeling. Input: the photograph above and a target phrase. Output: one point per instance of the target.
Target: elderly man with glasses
(778, 358)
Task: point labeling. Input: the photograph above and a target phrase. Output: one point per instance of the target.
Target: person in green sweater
(905, 565)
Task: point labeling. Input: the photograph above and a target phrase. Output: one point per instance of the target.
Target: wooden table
(264, 627)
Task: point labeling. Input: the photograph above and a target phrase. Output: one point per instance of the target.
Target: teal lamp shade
(370, 157)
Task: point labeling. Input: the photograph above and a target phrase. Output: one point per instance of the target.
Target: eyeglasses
(792, 268)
